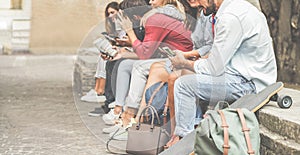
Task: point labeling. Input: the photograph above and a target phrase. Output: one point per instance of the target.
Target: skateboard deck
(254, 102)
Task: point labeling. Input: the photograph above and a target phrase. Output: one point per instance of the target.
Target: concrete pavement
(37, 109)
(40, 112)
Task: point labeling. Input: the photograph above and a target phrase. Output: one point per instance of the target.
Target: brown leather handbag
(147, 139)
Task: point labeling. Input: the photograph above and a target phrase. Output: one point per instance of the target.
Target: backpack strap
(246, 131)
(225, 126)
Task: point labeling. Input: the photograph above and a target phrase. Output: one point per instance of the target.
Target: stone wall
(283, 19)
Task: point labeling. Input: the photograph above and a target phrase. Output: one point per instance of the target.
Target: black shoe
(97, 112)
(105, 108)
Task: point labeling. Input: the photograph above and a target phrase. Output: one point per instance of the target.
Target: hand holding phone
(170, 53)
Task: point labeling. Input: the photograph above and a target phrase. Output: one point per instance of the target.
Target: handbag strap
(110, 139)
(165, 112)
(166, 104)
(246, 131)
(226, 146)
(155, 92)
(153, 113)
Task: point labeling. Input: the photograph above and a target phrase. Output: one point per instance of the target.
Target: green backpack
(222, 132)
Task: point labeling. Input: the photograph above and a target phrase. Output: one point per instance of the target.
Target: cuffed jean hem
(182, 132)
(119, 104)
(101, 75)
(100, 71)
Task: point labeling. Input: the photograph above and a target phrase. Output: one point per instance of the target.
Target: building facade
(15, 26)
(47, 27)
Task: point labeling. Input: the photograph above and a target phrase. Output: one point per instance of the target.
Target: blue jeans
(227, 87)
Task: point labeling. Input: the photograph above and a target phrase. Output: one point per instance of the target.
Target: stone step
(17, 34)
(84, 72)
(16, 41)
(275, 144)
(21, 25)
(285, 122)
(88, 61)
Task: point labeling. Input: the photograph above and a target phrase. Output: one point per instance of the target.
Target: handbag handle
(166, 104)
(155, 92)
(153, 113)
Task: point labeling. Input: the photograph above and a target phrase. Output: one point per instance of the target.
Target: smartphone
(110, 38)
(129, 49)
(168, 51)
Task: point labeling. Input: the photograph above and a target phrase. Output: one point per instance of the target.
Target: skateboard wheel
(284, 102)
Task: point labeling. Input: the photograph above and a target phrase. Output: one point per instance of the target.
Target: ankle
(117, 109)
(99, 91)
(128, 118)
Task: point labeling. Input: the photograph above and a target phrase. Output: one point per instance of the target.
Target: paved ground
(37, 110)
(40, 115)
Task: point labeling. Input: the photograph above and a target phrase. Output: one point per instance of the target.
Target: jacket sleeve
(154, 35)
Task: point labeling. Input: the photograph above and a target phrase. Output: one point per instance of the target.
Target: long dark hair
(109, 25)
(191, 15)
(134, 7)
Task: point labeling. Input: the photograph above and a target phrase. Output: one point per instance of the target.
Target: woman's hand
(105, 56)
(125, 41)
(125, 22)
(126, 25)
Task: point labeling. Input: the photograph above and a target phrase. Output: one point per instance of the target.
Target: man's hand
(180, 62)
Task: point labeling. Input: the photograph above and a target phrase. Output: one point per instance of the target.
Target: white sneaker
(112, 128)
(122, 133)
(111, 105)
(92, 96)
(110, 118)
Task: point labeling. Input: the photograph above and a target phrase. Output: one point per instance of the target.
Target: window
(16, 4)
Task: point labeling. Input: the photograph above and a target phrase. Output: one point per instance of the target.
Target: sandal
(174, 139)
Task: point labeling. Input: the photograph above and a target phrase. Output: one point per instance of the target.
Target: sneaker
(92, 96)
(121, 134)
(105, 109)
(112, 129)
(97, 112)
(112, 105)
(110, 118)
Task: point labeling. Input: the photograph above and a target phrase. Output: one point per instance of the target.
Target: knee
(155, 67)
(181, 83)
(172, 78)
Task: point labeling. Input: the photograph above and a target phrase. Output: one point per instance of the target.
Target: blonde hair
(176, 3)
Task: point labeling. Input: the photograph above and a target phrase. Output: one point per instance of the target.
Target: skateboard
(254, 102)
